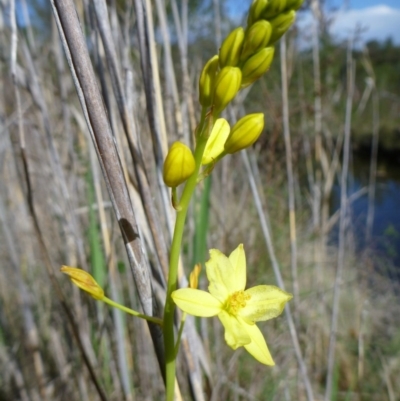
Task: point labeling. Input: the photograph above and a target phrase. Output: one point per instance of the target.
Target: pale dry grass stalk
(342, 223)
(374, 148)
(100, 130)
(275, 265)
(290, 177)
(32, 211)
(131, 134)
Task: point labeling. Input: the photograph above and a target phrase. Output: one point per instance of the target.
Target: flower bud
(179, 165)
(207, 81)
(257, 65)
(84, 281)
(257, 37)
(274, 8)
(216, 141)
(256, 10)
(194, 276)
(294, 4)
(227, 86)
(230, 50)
(281, 24)
(245, 132)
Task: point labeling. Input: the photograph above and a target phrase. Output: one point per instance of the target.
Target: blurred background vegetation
(39, 356)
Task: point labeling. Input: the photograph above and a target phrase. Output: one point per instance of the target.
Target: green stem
(131, 311)
(169, 343)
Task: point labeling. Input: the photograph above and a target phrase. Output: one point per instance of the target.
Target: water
(385, 241)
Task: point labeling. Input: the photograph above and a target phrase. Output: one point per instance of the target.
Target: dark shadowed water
(385, 241)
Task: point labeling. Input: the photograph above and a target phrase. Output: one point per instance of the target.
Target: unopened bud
(245, 132)
(257, 65)
(256, 10)
(274, 8)
(216, 141)
(179, 165)
(207, 81)
(194, 276)
(229, 53)
(227, 86)
(281, 24)
(84, 281)
(294, 4)
(257, 37)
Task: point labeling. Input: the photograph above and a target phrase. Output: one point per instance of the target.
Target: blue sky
(377, 19)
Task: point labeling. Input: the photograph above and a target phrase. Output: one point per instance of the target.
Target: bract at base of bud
(257, 65)
(179, 165)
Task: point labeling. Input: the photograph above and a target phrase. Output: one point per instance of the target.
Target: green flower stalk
(179, 165)
(244, 133)
(229, 54)
(257, 65)
(237, 308)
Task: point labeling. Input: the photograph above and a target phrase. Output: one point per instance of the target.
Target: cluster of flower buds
(246, 54)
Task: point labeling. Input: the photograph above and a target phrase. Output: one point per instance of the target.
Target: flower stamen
(236, 301)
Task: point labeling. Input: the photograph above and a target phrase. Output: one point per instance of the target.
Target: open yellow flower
(237, 308)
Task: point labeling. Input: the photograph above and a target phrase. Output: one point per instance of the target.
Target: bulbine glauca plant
(244, 56)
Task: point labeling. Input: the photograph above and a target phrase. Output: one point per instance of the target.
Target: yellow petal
(216, 141)
(258, 347)
(223, 277)
(236, 334)
(266, 302)
(196, 302)
(238, 261)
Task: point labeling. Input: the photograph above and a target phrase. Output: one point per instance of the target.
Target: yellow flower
(84, 281)
(216, 141)
(237, 308)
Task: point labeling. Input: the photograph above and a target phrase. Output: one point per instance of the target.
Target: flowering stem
(131, 311)
(202, 135)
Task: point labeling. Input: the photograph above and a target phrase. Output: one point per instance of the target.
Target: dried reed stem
(275, 266)
(104, 142)
(342, 224)
(290, 178)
